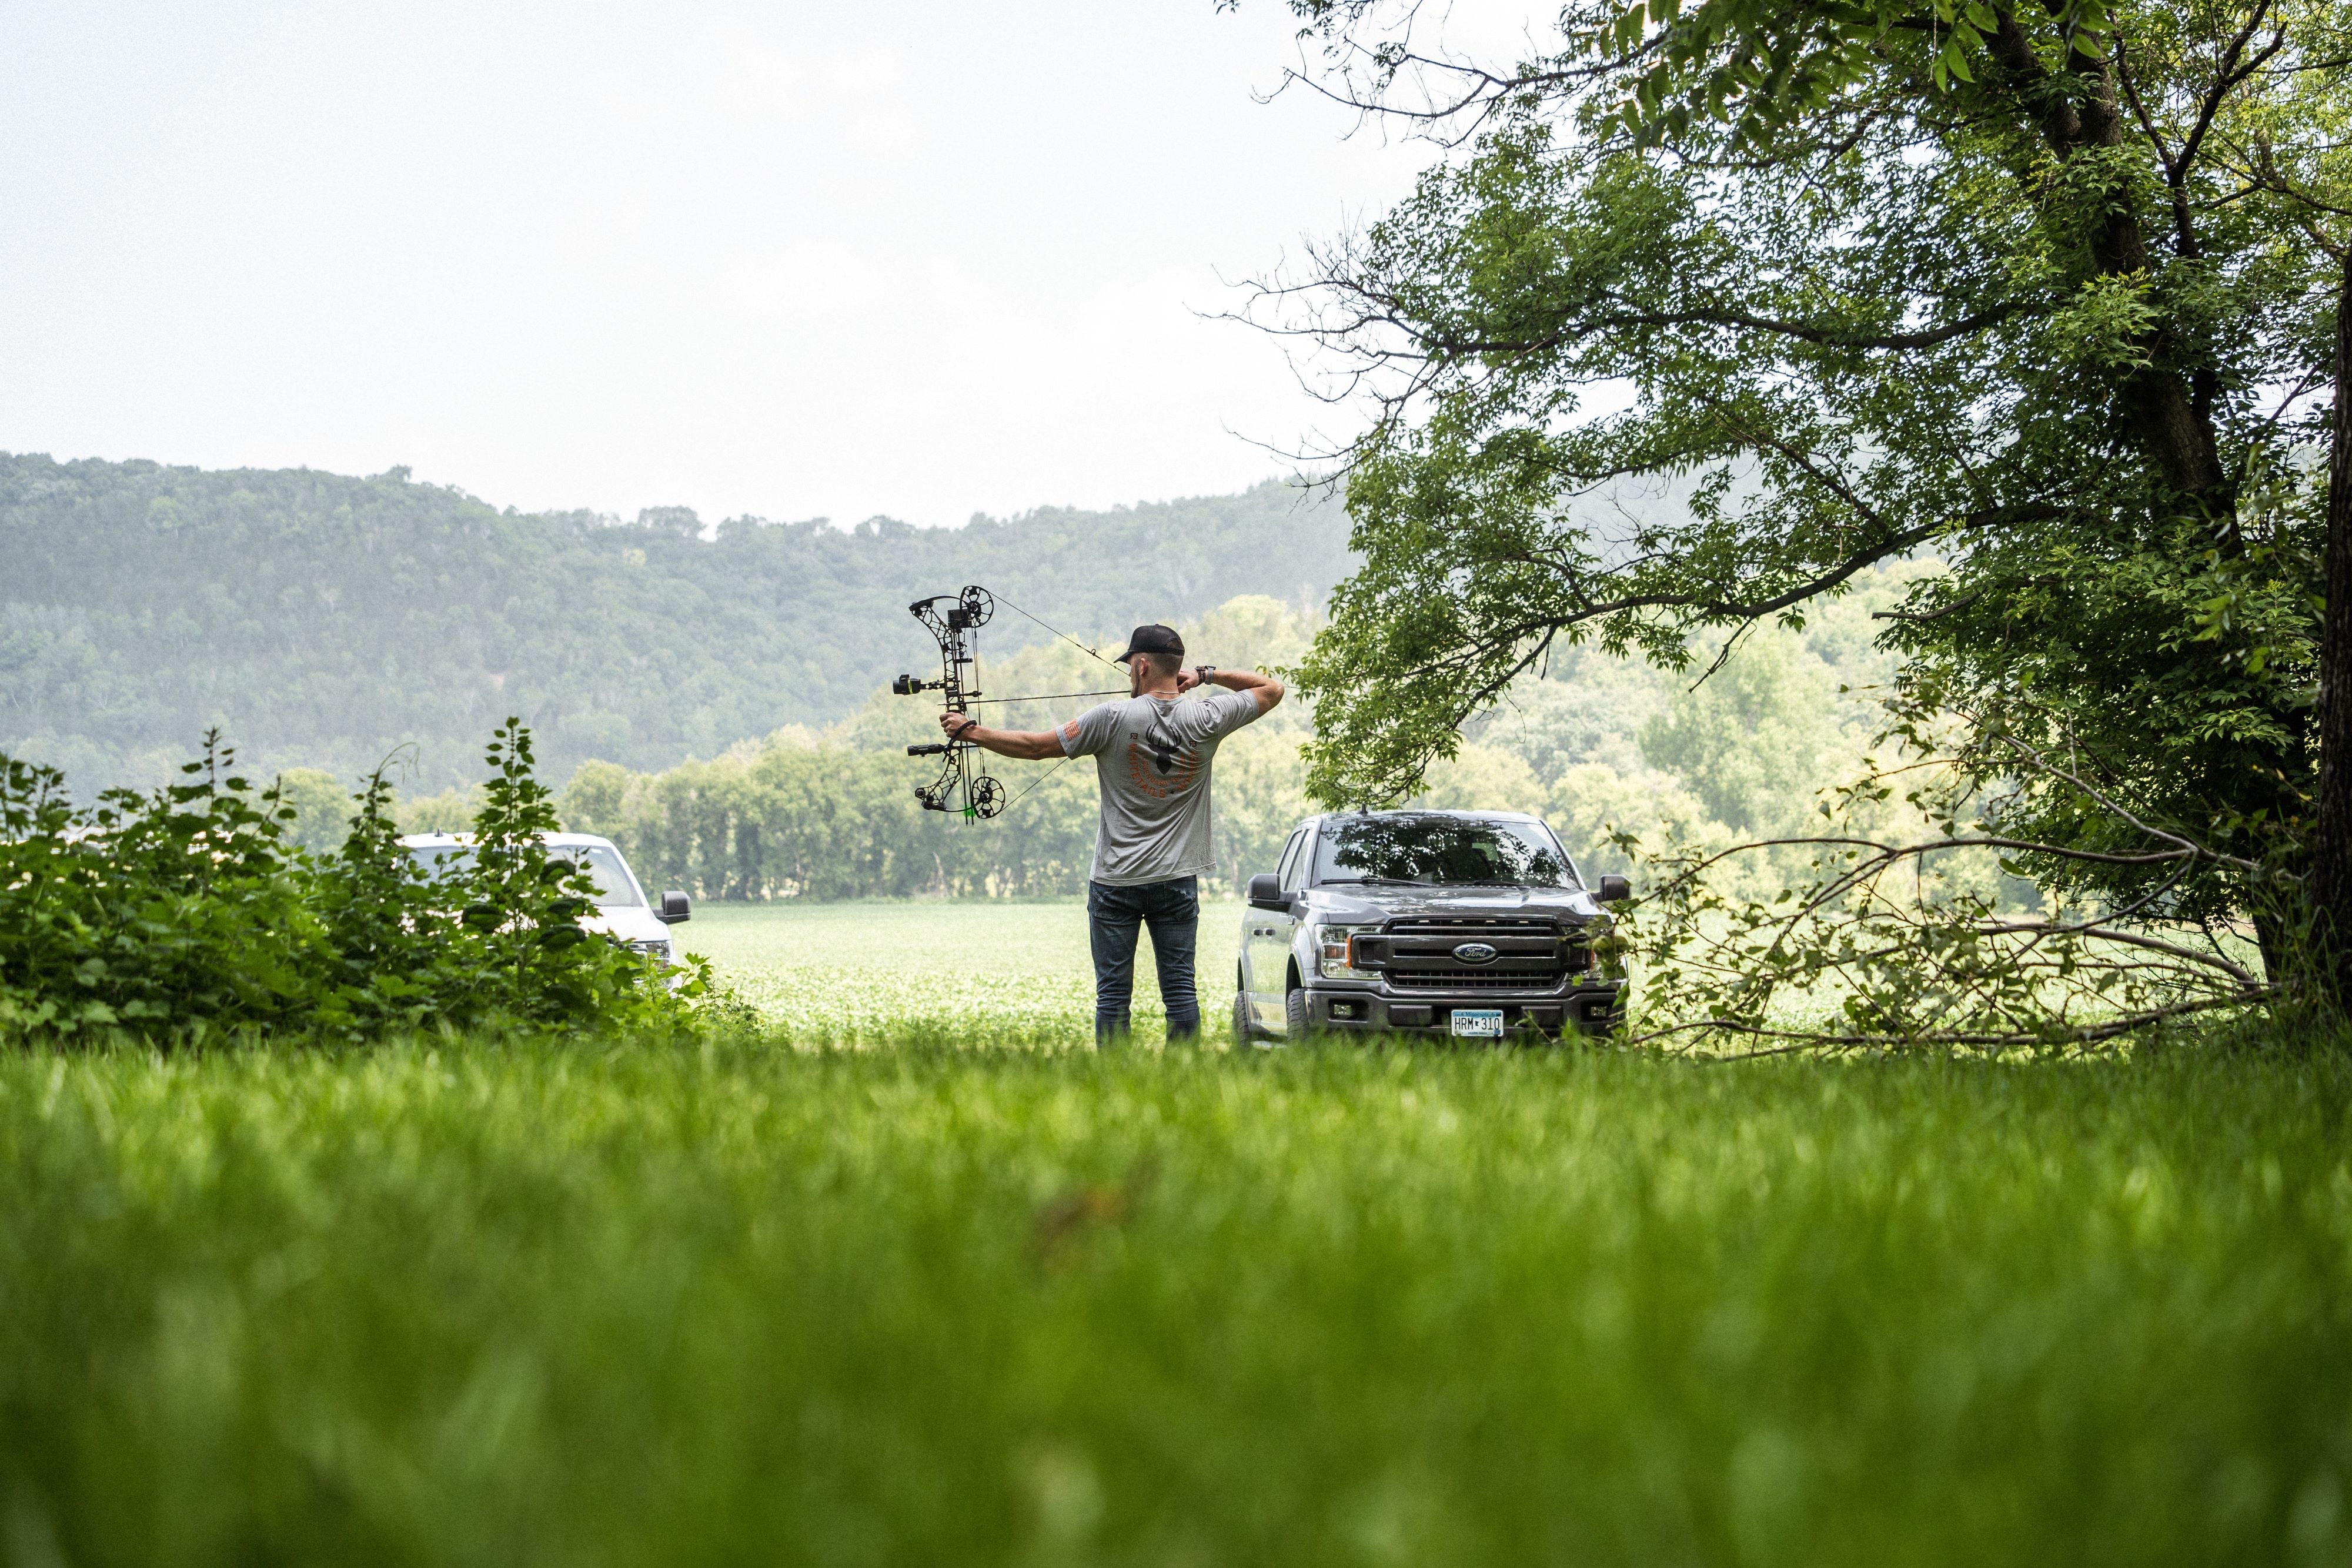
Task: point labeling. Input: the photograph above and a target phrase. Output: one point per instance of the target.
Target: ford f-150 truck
(1468, 923)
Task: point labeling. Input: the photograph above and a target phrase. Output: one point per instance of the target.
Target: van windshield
(1447, 850)
(615, 887)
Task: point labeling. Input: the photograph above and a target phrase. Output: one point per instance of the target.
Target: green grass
(634, 1303)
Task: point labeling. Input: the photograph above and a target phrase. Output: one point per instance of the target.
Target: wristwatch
(1202, 672)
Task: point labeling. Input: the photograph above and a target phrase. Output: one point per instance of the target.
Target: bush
(191, 913)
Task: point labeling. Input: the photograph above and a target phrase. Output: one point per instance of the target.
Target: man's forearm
(1027, 745)
(1267, 690)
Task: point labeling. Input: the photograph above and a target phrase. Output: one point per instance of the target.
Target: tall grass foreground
(560, 1301)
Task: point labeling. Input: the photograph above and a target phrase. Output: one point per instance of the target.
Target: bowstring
(1046, 697)
(1058, 763)
(1058, 631)
(1033, 784)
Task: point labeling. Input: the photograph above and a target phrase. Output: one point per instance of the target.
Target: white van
(623, 911)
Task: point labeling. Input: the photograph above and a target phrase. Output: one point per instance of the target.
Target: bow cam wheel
(987, 797)
(979, 604)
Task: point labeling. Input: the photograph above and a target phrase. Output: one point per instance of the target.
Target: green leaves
(1854, 282)
(1756, 69)
(1952, 61)
(187, 915)
(2111, 322)
(1910, 928)
(1629, 27)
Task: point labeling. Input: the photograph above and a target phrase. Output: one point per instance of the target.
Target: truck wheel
(1244, 1025)
(1294, 1015)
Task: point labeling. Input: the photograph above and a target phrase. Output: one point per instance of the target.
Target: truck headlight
(1332, 952)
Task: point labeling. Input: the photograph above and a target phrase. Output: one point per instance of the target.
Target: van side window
(1294, 862)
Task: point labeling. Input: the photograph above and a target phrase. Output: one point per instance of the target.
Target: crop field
(1007, 973)
(971, 1294)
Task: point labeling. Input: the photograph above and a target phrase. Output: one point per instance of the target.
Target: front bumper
(1593, 1007)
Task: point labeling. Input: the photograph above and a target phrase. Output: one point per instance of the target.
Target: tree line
(1594, 744)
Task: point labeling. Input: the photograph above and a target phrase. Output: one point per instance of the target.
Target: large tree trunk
(2166, 416)
(2330, 883)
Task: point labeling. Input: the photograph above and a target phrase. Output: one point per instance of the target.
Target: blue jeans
(1172, 910)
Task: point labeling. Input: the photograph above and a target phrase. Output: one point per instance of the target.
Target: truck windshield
(1449, 851)
(615, 888)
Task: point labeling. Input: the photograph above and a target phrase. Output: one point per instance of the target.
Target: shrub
(191, 913)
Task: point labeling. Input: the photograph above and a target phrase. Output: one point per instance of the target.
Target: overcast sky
(789, 259)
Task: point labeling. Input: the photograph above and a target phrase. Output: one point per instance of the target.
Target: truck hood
(626, 923)
(1365, 905)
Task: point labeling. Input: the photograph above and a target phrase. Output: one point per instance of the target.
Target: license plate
(1478, 1023)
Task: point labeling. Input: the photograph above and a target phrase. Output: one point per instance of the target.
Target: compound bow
(963, 787)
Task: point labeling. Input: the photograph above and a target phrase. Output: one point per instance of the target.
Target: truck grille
(1469, 980)
(1530, 954)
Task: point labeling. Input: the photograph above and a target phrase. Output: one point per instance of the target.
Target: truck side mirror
(1265, 892)
(1614, 889)
(675, 908)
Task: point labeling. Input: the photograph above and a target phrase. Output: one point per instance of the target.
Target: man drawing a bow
(1153, 754)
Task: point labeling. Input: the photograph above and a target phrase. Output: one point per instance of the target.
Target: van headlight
(1332, 952)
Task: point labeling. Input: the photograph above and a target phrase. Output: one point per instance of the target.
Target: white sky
(792, 259)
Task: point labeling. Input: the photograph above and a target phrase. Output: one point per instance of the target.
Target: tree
(2331, 878)
(1751, 740)
(2044, 289)
(322, 808)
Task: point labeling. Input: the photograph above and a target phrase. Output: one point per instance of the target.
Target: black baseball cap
(1154, 638)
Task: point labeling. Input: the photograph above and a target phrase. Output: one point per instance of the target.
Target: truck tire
(1244, 1023)
(1294, 1015)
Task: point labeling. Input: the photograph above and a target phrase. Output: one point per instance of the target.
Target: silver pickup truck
(1469, 924)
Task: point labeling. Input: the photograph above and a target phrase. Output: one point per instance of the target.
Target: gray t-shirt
(1154, 758)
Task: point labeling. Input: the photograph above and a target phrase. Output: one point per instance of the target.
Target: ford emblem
(1476, 953)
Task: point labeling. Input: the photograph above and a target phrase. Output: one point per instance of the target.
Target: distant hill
(320, 620)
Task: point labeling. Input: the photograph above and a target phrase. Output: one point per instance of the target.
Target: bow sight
(961, 786)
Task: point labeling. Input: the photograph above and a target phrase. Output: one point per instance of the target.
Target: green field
(1007, 973)
(934, 1301)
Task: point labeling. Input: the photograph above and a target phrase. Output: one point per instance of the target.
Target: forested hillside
(321, 621)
